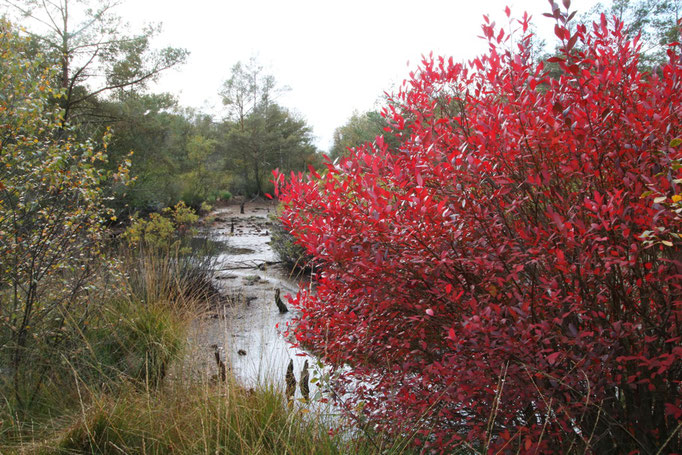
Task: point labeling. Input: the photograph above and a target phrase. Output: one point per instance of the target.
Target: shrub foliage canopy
(509, 276)
(51, 215)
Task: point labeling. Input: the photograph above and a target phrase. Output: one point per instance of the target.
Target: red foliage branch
(488, 282)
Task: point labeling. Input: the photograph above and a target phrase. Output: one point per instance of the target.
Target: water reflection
(250, 332)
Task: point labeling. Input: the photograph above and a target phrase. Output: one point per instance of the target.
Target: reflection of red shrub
(487, 281)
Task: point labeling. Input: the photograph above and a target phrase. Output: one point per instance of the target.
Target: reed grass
(192, 418)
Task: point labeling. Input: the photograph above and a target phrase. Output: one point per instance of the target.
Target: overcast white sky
(335, 56)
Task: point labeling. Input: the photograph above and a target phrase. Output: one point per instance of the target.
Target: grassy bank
(185, 417)
(123, 382)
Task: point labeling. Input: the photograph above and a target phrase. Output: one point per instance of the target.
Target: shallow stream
(249, 330)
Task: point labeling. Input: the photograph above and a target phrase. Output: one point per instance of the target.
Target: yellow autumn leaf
(492, 290)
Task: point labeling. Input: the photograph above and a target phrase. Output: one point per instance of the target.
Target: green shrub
(51, 217)
(205, 208)
(162, 231)
(192, 199)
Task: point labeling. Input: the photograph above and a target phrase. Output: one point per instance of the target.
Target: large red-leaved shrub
(509, 278)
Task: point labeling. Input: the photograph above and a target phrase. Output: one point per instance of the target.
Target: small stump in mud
(222, 369)
(290, 380)
(304, 386)
(280, 305)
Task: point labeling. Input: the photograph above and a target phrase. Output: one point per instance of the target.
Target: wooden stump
(290, 380)
(304, 386)
(282, 307)
(222, 369)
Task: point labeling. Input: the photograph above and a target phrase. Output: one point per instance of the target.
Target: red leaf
(313, 171)
(559, 31)
(552, 358)
(674, 411)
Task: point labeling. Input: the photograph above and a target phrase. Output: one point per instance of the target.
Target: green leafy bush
(51, 215)
(172, 227)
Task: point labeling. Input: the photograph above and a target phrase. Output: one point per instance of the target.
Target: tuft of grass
(193, 418)
(171, 277)
(133, 341)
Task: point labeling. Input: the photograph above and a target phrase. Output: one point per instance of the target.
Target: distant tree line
(103, 73)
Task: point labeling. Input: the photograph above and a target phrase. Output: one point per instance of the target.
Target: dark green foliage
(152, 127)
(270, 138)
(289, 252)
(179, 155)
(358, 130)
(259, 135)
